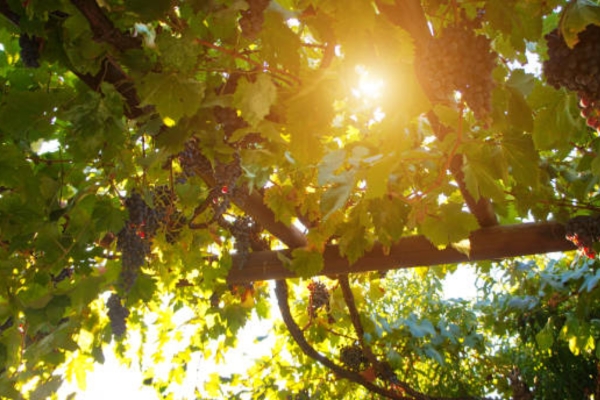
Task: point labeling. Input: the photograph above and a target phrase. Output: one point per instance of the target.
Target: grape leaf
(306, 263)
(173, 96)
(451, 225)
(335, 197)
(254, 99)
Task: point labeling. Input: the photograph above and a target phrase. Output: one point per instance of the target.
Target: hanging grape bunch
(319, 297)
(245, 231)
(117, 314)
(252, 18)
(460, 60)
(353, 358)
(583, 231)
(192, 161)
(577, 69)
(30, 50)
(133, 241)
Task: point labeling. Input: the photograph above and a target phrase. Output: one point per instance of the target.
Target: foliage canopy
(152, 152)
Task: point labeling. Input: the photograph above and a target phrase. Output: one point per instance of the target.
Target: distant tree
(225, 157)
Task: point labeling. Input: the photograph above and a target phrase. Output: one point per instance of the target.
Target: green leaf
(451, 225)
(336, 196)
(277, 198)
(522, 81)
(107, 217)
(485, 166)
(520, 115)
(329, 166)
(254, 99)
(522, 158)
(389, 219)
(173, 95)
(545, 337)
(306, 263)
(378, 176)
(354, 240)
(421, 328)
(178, 53)
(280, 45)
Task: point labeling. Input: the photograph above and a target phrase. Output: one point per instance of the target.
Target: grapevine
(577, 69)
(460, 60)
(584, 231)
(117, 314)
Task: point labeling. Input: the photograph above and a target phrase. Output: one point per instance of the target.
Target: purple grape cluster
(117, 315)
(460, 60)
(577, 69)
(319, 297)
(252, 19)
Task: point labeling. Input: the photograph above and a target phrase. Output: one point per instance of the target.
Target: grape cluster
(133, 241)
(252, 19)
(134, 250)
(192, 160)
(460, 60)
(577, 69)
(583, 231)
(117, 314)
(245, 231)
(319, 297)
(141, 216)
(353, 357)
(229, 120)
(30, 50)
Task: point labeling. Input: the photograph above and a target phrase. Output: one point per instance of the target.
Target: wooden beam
(493, 243)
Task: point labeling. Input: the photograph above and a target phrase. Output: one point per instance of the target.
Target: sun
(369, 86)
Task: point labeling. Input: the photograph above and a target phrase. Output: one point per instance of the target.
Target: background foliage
(147, 149)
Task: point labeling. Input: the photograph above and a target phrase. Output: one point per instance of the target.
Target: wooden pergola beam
(493, 243)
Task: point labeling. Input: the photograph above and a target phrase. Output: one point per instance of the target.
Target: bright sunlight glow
(369, 86)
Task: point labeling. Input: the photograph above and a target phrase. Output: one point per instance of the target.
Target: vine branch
(282, 293)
